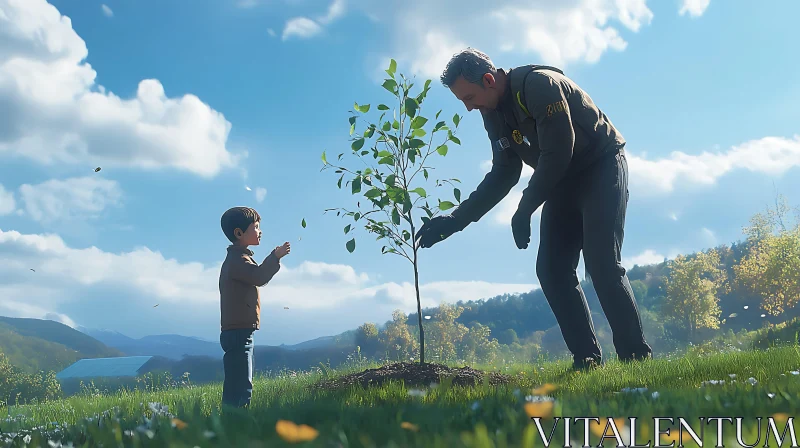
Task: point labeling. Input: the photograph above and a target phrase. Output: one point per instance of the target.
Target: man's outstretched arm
(505, 173)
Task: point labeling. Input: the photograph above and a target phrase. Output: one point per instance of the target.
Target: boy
(240, 304)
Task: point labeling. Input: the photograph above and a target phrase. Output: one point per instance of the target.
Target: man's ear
(488, 80)
(237, 232)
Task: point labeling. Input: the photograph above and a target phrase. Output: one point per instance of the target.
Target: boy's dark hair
(238, 217)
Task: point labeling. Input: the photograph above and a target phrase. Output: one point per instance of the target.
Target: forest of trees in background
(751, 284)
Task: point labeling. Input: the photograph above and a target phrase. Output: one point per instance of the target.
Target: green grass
(446, 416)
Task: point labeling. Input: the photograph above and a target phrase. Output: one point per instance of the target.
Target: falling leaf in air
(156, 305)
(33, 270)
(97, 169)
(286, 307)
(303, 223)
(247, 188)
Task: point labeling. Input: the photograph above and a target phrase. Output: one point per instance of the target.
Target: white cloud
(55, 113)
(302, 27)
(261, 193)
(556, 33)
(323, 298)
(63, 318)
(75, 198)
(695, 8)
(7, 202)
(305, 28)
(335, 11)
(769, 155)
(107, 11)
(647, 257)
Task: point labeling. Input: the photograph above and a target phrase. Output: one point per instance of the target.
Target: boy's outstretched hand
(282, 251)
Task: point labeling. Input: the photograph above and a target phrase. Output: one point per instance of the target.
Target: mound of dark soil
(413, 374)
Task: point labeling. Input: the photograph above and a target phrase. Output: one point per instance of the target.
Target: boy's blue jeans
(237, 389)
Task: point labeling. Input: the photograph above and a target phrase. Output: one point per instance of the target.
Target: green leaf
(419, 133)
(386, 161)
(363, 153)
(395, 216)
(386, 126)
(425, 173)
(357, 144)
(383, 107)
(418, 122)
(439, 126)
(363, 109)
(373, 193)
(442, 150)
(445, 205)
(303, 223)
(457, 194)
(392, 67)
(390, 85)
(415, 143)
(390, 180)
(411, 107)
(369, 132)
(396, 125)
(324, 159)
(357, 216)
(420, 191)
(356, 185)
(347, 229)
(340, 181)
(412, 155)
(456, 119)
(384, 153)
(406, 235)
(351, 245)
(437, 114)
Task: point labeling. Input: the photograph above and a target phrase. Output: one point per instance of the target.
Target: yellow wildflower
(293, 433)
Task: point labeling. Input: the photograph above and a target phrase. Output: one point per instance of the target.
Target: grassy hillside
(36, 344)
(747, 384)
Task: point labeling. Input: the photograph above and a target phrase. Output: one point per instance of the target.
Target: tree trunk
(419, 311)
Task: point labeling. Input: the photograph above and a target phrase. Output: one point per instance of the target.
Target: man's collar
(237, 248)
(507, 100)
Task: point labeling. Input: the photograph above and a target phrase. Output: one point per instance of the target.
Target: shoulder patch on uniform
(517, 136)
(503, 143)
(558, 106)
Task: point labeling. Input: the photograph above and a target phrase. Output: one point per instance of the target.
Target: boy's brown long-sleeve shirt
(239, 279)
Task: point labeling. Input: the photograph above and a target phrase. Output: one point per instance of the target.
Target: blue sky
(254, 91)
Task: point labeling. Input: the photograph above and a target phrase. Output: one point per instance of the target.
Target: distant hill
(172, 346)
(39, 344)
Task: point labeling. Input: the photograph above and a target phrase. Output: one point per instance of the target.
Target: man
(536, 115)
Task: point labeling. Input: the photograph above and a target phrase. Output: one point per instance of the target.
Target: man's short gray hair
(472, 64)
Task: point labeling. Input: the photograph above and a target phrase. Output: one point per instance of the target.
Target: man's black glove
(521, 227)
(438, 229)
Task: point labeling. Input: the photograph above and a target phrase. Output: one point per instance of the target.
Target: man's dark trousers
(587, 212)
(237, 389)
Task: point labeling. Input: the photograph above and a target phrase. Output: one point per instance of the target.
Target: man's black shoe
(587, 363)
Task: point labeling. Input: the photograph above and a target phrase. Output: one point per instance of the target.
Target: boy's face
(252, 236)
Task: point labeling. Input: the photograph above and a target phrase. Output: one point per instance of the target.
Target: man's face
(475, 96)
